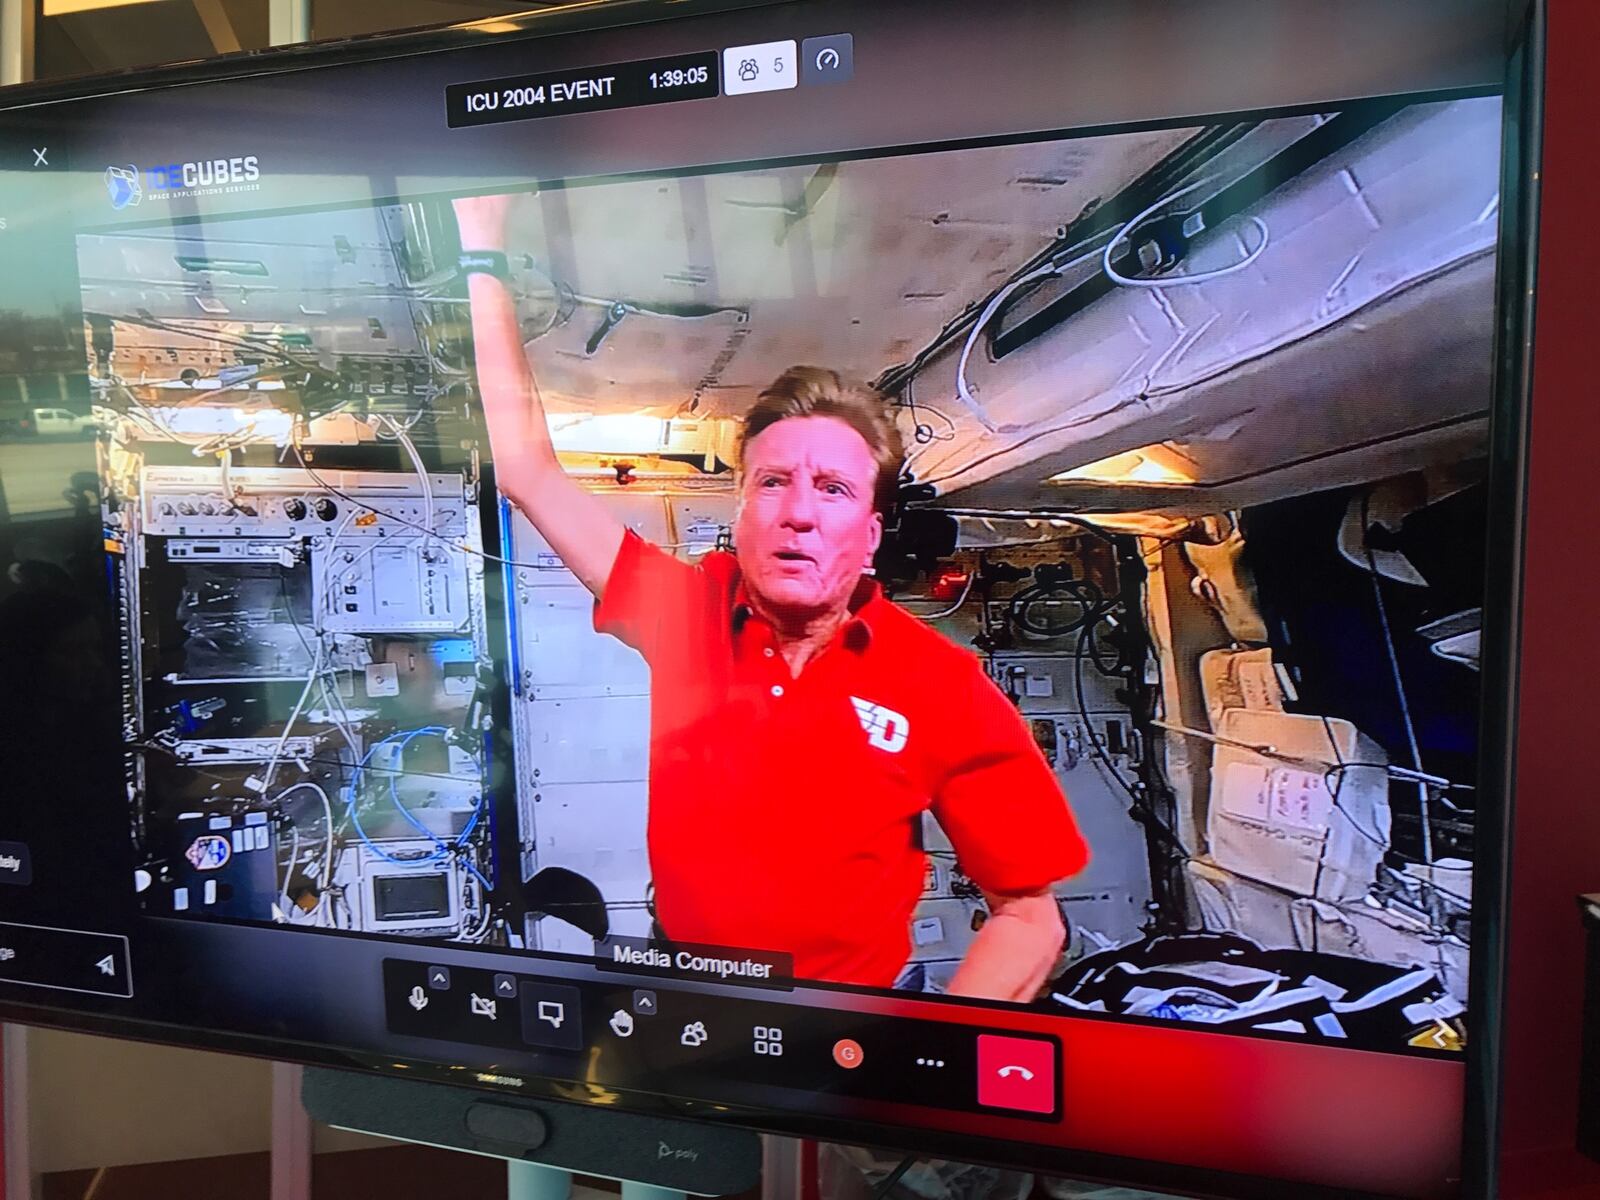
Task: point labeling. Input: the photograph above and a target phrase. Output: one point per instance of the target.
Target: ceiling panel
(721, 281)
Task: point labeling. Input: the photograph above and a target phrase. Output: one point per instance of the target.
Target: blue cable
(443, 849)
(355, 819)
(394, 796)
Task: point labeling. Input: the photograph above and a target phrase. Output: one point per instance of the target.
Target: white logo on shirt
(886, 729)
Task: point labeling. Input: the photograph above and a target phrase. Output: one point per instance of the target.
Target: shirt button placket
(777, 688)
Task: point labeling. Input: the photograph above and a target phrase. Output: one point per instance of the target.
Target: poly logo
(886, 729)
(123, 185)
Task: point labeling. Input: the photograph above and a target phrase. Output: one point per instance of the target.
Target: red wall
(1556, 846)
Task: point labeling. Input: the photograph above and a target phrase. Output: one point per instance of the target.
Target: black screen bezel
(1508, 444)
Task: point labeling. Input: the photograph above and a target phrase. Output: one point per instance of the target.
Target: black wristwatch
(484, 262)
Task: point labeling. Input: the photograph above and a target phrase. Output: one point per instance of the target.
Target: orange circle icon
(847, 1053)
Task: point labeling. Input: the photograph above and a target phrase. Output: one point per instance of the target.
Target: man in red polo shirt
(801, 723)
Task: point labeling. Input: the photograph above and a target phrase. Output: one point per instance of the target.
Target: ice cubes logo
(123, 185)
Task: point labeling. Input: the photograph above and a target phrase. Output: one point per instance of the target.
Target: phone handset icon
(1008, 1072)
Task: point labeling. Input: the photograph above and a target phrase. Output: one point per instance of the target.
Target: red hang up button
(1016, 1073)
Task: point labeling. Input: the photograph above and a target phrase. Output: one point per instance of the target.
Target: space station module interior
(1201, 485)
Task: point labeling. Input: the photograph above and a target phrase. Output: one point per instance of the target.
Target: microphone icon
(418, 998)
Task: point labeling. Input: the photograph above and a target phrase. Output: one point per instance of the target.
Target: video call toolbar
(628, 1036)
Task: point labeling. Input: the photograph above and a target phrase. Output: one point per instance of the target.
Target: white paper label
(383, 679)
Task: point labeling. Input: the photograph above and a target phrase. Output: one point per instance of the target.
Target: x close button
(33, 151)
(1016, 1073)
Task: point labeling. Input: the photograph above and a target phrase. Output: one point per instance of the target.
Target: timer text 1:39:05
(679, 77)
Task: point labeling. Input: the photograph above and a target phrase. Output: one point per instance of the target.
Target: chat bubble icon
(553, 1011)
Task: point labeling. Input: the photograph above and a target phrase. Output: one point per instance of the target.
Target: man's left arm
(1012, 955)
(1014, 836)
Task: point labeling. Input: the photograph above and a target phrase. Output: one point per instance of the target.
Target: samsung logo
(128, 185)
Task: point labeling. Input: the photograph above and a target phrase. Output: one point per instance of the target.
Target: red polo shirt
(784, 810)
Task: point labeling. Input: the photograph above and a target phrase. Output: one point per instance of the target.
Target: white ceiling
(854, 266)
(1359, 341)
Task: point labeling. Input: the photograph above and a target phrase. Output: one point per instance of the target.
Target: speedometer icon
(827, 59)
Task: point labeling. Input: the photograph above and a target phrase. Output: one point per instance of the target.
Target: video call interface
(1152, 693)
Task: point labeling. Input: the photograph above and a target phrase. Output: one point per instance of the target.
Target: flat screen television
(926, 574)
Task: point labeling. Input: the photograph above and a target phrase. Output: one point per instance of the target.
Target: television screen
(916, 576)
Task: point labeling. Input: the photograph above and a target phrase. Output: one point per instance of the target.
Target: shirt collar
(856, 633)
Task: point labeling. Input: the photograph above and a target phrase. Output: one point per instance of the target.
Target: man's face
(806, 527)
